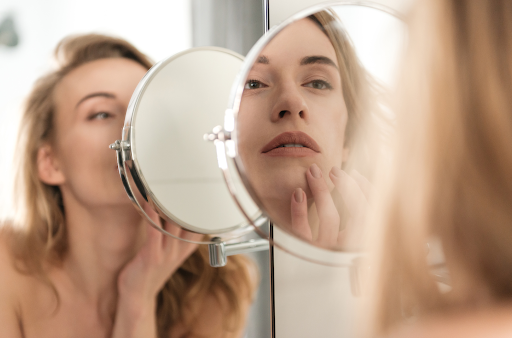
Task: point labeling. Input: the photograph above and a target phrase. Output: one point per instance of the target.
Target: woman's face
(292, 114)
(91, 103)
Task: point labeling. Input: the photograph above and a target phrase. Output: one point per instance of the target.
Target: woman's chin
(286, 189)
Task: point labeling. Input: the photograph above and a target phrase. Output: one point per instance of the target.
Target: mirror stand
(220, 250)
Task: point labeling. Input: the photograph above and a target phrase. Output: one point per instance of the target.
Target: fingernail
(315, 171)
(298, 195)
(336, 171)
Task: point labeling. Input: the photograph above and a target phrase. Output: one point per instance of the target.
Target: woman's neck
(101, 241)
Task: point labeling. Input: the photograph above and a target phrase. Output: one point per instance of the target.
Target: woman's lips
(291, 144)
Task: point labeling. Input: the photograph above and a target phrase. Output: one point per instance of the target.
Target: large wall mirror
(281, 144)
(307, 122)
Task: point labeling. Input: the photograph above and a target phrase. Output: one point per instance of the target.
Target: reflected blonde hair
(452, 174)
(367, 125)
(41, 237)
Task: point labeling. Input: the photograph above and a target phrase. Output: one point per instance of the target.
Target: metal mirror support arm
(220, 250)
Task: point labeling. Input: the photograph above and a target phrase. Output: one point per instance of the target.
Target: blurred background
(30, 30)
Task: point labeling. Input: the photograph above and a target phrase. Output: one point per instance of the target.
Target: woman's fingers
(154, 237)
(160, 245)
(191, 236)
(151, 213)
(299, 209)
(181, 248)
(329, 226)
(158, 258)
(175, 248)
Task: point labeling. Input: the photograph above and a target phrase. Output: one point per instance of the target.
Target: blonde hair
(451, 178)
(366, 125)
(41, 238)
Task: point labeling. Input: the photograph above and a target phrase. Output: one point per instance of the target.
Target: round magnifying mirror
(310, 120)
(163, 157)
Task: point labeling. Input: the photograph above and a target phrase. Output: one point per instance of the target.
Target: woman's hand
(354, 191)
(144, 276)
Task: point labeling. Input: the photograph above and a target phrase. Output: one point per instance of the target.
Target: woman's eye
(254, 84)
(318, 84)
(100, 116)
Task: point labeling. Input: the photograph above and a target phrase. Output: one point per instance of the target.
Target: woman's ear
(47, 166)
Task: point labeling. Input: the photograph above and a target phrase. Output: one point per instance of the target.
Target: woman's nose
(290, 104)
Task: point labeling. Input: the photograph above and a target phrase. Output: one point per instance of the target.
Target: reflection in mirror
(313, 121)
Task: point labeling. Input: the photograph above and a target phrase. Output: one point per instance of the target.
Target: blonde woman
(79, 261)
(303, 118)
(452, 180)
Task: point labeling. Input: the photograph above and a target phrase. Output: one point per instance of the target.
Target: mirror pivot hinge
(218, 133)
(217, 253)
(120, 145)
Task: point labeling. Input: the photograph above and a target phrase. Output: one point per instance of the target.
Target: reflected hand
(354, 190)
(144, 276)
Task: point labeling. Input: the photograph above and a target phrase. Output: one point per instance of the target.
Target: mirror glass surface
(313, 120)
(178, 101)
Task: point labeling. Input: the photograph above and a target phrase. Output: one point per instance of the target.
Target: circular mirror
(310, 120)
(163, 156)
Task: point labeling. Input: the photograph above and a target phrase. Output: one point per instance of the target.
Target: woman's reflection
(300, 115)
(85, 261)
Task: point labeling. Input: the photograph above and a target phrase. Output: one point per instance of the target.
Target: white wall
(158, 28)
(280, 10)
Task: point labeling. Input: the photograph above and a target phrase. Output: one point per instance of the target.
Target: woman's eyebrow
(103, 94)
(263, 59)
(317, 59)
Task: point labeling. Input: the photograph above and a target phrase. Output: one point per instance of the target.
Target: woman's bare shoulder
(12, 278)
(7, 266)
(12, 283)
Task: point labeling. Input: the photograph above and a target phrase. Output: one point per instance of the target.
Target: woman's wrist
(136, 306)
(135, 317)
